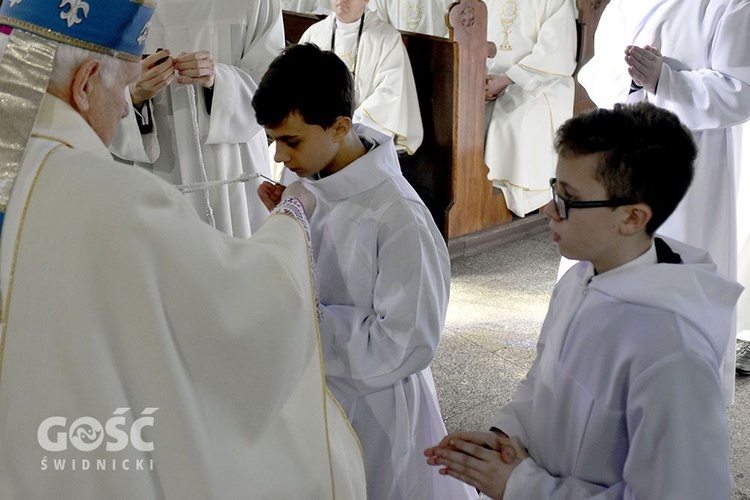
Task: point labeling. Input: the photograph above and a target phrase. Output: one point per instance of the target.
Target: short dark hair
(315, 83)
(647, 154)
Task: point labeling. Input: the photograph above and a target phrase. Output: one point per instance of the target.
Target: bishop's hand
(157, 71)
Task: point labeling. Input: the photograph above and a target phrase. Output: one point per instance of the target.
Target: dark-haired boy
(383, 270)
(624, 398)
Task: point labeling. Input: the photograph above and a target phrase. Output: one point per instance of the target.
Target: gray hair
(68, 58)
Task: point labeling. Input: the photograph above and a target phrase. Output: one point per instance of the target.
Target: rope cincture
(196, 130)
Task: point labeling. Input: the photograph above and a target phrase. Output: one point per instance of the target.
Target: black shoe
(742, 365)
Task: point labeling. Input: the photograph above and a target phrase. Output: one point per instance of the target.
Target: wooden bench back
(448, 169)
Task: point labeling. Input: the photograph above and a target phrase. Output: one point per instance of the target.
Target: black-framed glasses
(563, 206)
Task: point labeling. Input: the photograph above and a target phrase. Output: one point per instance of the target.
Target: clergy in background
(419, 16)
(143, 354)
(529, 93)
(692, 58)
(386, 95)
(200, 125)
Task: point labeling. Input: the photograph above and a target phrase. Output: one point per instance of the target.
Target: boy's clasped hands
(484, 460)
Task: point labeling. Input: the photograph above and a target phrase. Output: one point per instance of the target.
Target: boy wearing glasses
(624, 398)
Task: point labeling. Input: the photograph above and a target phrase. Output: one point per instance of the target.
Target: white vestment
(536, 42)
(705, 80)
(743, 238)
(624, 398)
(386, 96)
(122, 306)
(383, 275)
(419, 16)
(243, 38)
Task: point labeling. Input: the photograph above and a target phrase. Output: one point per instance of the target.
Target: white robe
(123, 299)
(386, 95)
(419, 16)
(705, 80)
(624, 397)
(383, 274)
(243, 38)
(539, 56)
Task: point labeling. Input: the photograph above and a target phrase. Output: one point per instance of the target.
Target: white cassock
(243, 38)
(122, 304)
(705, 80)
(536, 42)
(743, 238)
(419, 16)
(385, 91)
(624, 398)
(384, 275)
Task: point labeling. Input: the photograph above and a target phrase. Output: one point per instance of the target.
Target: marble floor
(498, 302)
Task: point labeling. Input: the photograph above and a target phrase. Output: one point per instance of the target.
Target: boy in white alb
(624, 398)
(383, 270)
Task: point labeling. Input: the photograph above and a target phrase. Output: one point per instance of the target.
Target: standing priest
(193, 120)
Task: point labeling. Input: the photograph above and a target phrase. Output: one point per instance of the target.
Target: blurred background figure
(529, 93)
(194, 120)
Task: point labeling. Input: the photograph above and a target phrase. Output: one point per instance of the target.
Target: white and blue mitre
(114, 27)
(30, 32)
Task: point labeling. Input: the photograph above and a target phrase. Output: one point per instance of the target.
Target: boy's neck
(351, 149)
(631, 250)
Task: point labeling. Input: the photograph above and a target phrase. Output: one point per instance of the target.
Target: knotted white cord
(196, 131)
(203, 186)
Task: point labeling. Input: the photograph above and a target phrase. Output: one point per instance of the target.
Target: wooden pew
(589, 14)
(448, 169)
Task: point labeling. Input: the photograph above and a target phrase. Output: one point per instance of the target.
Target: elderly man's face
(108, 104)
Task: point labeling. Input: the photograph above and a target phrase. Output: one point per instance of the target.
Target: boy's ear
(637, 216)
(341, 127)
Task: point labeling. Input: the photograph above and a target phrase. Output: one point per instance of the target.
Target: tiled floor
(498, 302)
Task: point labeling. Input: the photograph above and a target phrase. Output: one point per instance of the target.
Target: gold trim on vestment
(537, 70)
(6, 305)
(399, 138)
(326, 391)
(25, 67)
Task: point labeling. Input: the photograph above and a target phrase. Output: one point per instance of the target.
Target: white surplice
(386, 95)
(243, 38)
(623, 400)
(536, 42)
(122, 303)
(419, 16)
(383, 275)
(705, 80)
